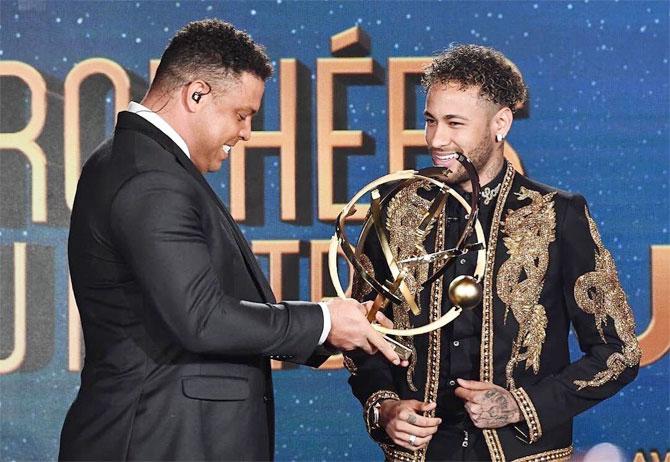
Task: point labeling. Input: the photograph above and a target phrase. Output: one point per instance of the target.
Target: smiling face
(459, 119)
(224, 119)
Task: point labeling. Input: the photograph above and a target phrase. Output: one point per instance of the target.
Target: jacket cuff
(372, 423)
(532, 430)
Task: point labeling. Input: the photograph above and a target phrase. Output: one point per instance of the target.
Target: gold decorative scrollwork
(599, 293)
(403, 216)
(528, 232)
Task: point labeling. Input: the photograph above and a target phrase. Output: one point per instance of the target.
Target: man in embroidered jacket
(497, 383)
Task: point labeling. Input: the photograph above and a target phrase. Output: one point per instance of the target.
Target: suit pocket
(215, 388)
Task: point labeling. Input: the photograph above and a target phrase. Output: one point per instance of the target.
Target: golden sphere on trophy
(465, 292)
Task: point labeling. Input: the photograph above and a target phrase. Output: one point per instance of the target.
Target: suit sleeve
(604, 324)
(157, 223)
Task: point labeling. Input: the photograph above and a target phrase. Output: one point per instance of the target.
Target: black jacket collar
(131, 121)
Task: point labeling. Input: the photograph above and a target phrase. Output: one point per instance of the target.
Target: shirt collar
(160, 123)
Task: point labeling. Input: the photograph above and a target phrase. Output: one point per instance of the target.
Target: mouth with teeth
(444, 159)
(227, 148)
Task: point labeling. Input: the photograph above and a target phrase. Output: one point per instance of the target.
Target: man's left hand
(488, 405)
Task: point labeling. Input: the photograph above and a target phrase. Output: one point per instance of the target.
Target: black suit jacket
(179, 321)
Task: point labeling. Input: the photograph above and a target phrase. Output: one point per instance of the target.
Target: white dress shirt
(161, 124)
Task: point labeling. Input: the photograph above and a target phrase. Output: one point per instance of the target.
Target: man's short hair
(478, 66)
(210, 49)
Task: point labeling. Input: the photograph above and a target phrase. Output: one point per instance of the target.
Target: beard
(479, 156)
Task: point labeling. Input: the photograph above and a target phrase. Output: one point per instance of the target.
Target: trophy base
(403, 352)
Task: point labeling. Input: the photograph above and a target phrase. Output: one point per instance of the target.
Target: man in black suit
(179, 321)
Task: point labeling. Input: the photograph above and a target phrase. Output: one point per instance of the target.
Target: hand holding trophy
(404, 263)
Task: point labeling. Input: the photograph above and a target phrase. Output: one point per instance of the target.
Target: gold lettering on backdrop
(401, 137)
(351, 42)
(328, 138)
(513, 157)
(153, 67)
(654, 456)
(71, 121)
(276, 365)
(13, 362)
(74, 334)
(276, 250)
(284, 139)
(333, 362)
(655, 340)
(25, 140)
(318, 249)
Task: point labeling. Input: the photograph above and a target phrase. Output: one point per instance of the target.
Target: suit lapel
(135, 122)
(249, 257)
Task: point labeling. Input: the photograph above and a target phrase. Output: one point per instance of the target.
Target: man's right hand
(350, 329)
(403, 422)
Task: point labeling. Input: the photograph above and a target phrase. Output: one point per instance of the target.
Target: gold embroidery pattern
(599, 293)
(529, 413)
(349, 364)
(403, 216)
(392, 451)
(486, 348)
(561, 455)
(359, 286)
(528, 232)
(371, 401)
(434, 339)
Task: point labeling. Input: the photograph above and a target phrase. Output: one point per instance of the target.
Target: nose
(438, 137)
(245, 131)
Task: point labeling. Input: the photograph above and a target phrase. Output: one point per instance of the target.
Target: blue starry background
(598, 76)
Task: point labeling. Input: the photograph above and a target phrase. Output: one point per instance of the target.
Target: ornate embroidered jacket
(546, 270)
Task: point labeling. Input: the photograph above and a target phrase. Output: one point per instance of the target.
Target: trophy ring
(464, 291)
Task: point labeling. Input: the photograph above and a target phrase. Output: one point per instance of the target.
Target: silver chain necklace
(489, 194)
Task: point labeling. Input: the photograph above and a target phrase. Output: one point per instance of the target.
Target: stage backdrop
(344, 107)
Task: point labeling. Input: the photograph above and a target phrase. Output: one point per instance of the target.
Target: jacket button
(452, 383)
(456, 343)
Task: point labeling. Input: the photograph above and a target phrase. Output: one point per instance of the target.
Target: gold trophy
(464, 291)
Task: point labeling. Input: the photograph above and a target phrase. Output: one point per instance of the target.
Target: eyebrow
(447, 116)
